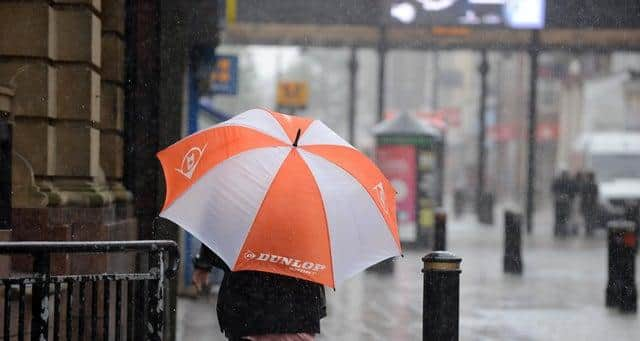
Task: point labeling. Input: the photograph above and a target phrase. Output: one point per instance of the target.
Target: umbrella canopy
(282, 194)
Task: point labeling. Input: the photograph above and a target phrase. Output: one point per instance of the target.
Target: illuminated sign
(224, 77)
(525, 14)
(519, 14)
(292, 94)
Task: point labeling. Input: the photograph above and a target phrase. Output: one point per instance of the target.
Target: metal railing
(63, 314)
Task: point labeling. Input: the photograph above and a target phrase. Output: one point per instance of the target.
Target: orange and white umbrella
(282, 194)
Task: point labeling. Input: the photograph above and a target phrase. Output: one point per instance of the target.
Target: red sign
(505, 132)
(547, 131)
(399, 164)
(629, 240)
(502, 132)
(441, 118)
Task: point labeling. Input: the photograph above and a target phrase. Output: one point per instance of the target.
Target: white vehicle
(614, 157)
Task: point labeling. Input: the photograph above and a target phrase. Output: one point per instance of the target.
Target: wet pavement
(560, 295)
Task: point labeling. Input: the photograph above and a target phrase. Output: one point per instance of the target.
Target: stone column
(51, 55)
(78, 176)
(112, 99)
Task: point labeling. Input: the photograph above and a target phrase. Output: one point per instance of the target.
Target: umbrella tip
(295, 143)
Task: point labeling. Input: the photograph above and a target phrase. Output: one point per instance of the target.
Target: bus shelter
(410, 153)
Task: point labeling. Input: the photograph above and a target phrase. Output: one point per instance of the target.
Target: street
(307, 139)
(560, 296)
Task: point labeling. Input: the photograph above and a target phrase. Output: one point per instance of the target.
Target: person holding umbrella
(286, 206)
(261, 306)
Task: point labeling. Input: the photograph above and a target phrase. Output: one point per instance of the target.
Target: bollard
(562, 210)
(440, 231)
(621, 289)
(512, 243)
(613, 290)
(485, 208)
(440, 308)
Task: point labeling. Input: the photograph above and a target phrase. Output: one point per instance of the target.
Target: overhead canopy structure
(406, 124)
(430, 38)
(570, 25)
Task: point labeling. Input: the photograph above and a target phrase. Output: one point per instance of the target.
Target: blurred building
(577, 94)
(552, 72)
(601, 94)
(442, 87)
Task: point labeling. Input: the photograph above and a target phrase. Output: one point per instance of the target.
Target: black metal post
(440, 310)
(40, 298)
(512, 243)
(612, 290)
(531, 135)
(483, 70)
(106, 307)
(118, 317)
(353, 75)
(440, 231)
(6, 140)
(69, 308)
(629, 290)
(6, 330)
(382, 53)
(621, 287)
(22, 289)
(155, 297)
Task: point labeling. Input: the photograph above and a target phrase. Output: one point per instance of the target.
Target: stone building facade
(93, 89)
(64, 62)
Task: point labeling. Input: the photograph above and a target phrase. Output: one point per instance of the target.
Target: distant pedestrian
(563, 189)
(589, 203)
(261, 306)
(579, 181)
(576, 219)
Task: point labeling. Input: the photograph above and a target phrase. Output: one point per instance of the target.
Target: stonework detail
(65, 61)
(78, 32)
(78, 93)
(26, 193)
(113, 63)
(27, 29)
(112, 115)
(112, 107)
(36, 80)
